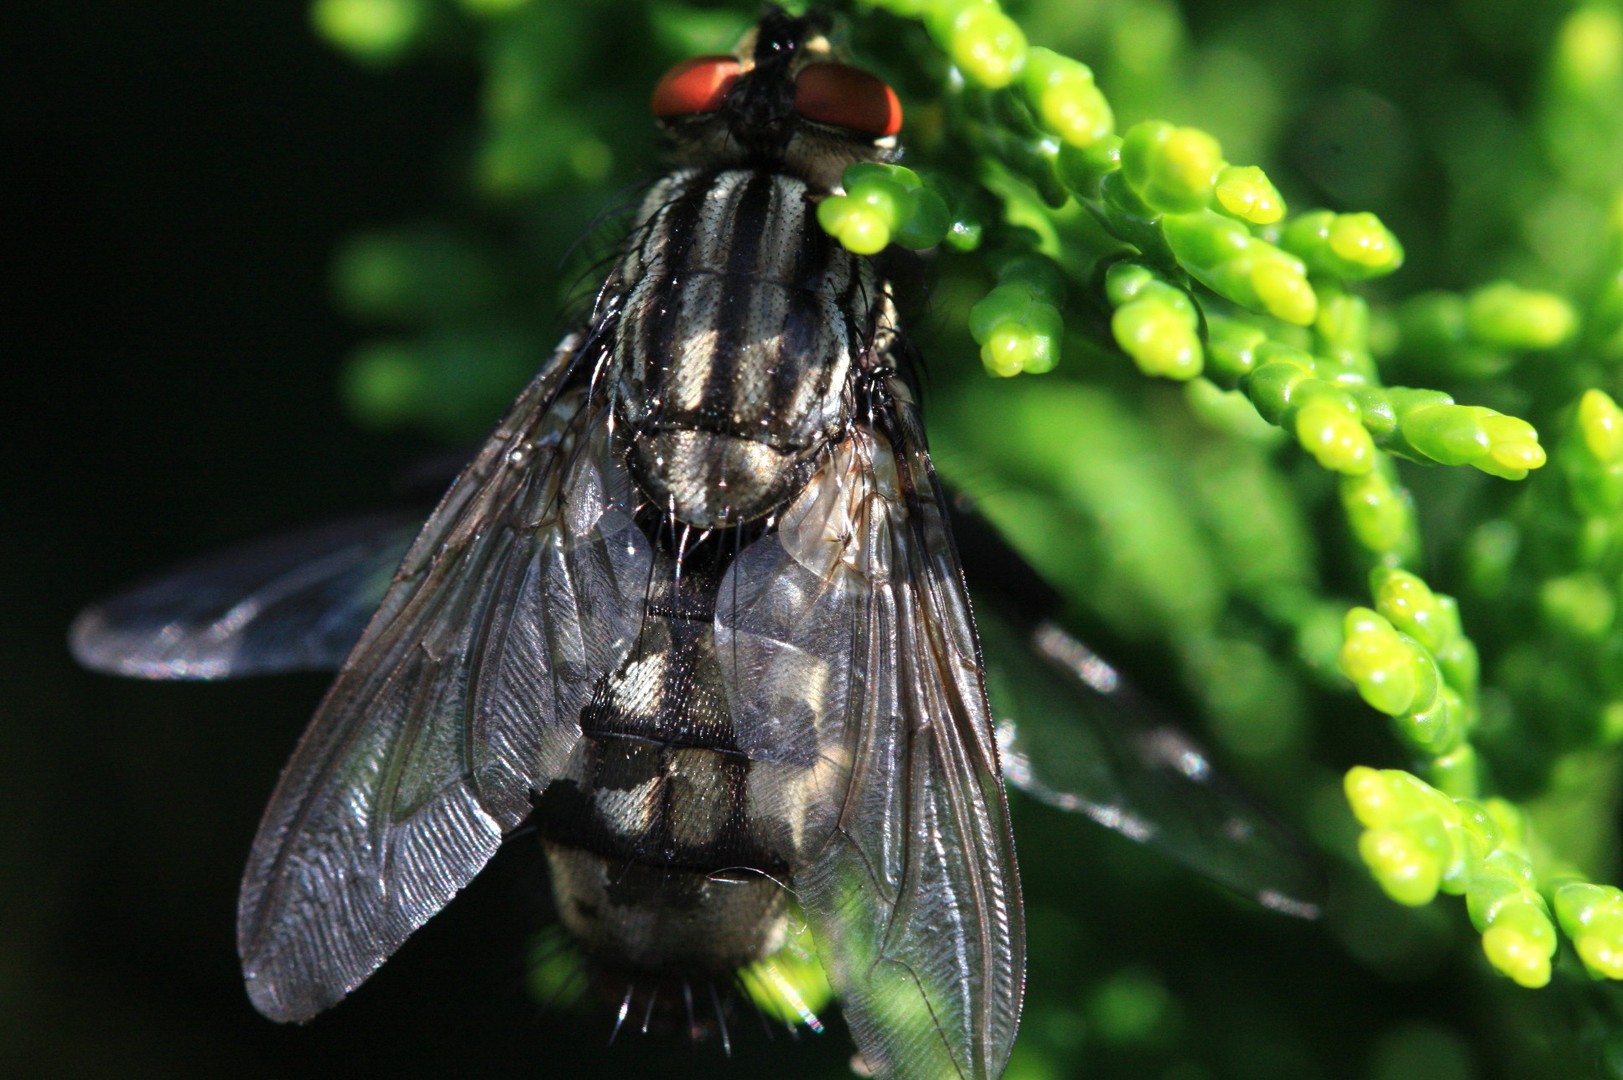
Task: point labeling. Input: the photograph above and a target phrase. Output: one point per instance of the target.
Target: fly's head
(781, 102)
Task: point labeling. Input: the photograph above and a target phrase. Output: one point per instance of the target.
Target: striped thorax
(743, 319)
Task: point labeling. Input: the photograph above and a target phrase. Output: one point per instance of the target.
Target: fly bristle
(694, 1006)
(721, 1010)
(597, 249)
(621, 1013)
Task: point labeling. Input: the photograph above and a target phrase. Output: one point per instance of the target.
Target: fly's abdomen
(652, 867)
(662, 858)
(657, 864)
(740, 328)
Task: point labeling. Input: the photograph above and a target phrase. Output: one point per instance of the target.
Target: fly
(694, 613)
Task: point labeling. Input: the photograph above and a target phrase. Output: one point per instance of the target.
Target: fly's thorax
(742, 323)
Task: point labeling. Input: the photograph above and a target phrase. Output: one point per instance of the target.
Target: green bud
(1224, 256)
(1126, 279)
(1521, 955)
(1384, 667)
(1173, 169)
(987, 45)
(1016, 331)
(1432, 426)
(965, 234)
(1611, 723)
(1600, 947)
(1597, 494)
(374, 30)
(1592, 916)
(1483, 831)
(1600, 423)
(1121, 200)
(881, 194)
(1409, 605)
(1351, 247)
(1005, 352)
(1404, 868)
(385, 383)
(1006, 303)
(860, 228)
(1588, 55)
(1064, 99)
(1159, 338)
(940, 16)
(1580, 605)
(1047, 327)
(1513, 447)
(1174, 299)
(1510, 317)
(1364, 246)
(1327, 427)
(1511, 821)
(1245, 192)
(1407, 399)
(1373, 801)
(1495, 888)
(1280, 284)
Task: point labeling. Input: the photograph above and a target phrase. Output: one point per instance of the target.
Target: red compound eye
(699, 85)
(848, 98)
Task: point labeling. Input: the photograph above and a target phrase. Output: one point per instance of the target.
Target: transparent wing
(292, 603)
(461, 695)
(847, 646)
(1079, 738)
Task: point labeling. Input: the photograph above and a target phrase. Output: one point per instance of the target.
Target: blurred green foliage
(1289, 214)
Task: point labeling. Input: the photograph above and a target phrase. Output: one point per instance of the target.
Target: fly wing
(1082, 740)
(847, 644)
(461, 697)
(292, 603)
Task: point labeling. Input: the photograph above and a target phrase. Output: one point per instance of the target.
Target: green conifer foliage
(1255, 281)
